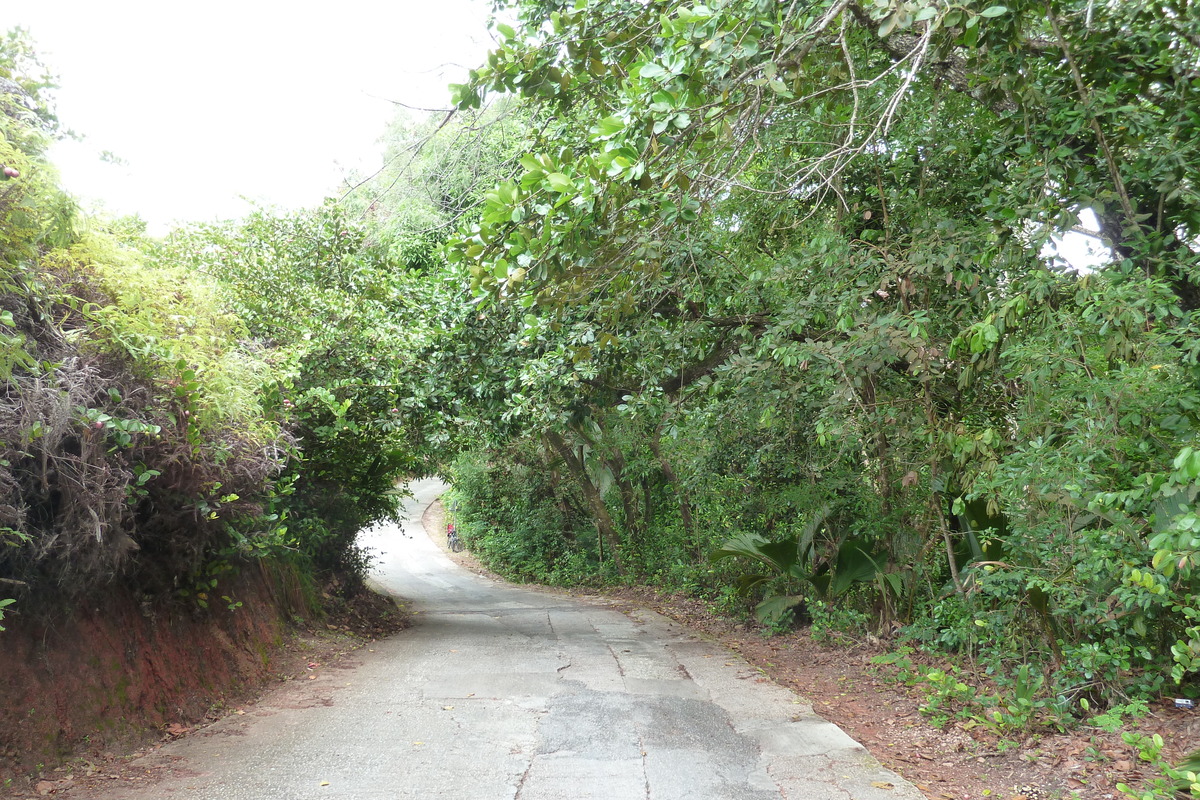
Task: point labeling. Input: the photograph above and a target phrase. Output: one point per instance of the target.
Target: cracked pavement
(500, 692)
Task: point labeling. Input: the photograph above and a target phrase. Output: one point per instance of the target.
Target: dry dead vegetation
(101, 474)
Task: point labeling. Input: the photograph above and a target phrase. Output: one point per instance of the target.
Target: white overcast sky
(212, 103)
(209, 102)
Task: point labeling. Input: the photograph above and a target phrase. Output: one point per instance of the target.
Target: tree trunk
(685, 503)
(600, 517)
(629, 503)
(562, 498)
(882, 450)
(615, 463)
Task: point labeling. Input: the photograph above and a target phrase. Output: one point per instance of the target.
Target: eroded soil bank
(112, 672)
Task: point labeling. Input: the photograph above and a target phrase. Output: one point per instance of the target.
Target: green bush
(519, 522)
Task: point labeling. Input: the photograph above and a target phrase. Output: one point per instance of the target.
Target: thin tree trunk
(562, 498)
(685, 503)
(605, 529)
(880, 440)
(615, 463)
(629, 504)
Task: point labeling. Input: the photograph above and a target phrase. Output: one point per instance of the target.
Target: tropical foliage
(790, 282)
(174, 408)
(782, 305)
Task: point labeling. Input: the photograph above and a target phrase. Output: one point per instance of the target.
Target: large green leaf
(774, 609)
(748, 545)
(560, 182)
(749, 581)
(855, 564)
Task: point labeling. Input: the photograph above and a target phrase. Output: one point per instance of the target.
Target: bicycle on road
(452, 539)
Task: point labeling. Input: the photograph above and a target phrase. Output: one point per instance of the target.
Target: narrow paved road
(499, 692)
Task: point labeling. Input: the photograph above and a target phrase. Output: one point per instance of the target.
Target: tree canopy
(771, 303)
(796, 271)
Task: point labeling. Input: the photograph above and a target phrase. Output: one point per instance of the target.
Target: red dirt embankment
(108, 672)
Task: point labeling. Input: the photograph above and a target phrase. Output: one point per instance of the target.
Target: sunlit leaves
(608, 127)
(560, 182)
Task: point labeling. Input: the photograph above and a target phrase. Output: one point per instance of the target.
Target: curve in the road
(499, 692)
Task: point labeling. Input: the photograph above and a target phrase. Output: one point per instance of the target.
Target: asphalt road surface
(499, 692)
